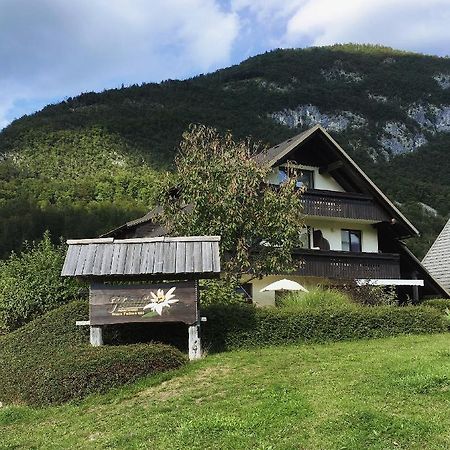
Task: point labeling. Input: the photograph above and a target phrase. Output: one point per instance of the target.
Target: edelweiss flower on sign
(159, 301)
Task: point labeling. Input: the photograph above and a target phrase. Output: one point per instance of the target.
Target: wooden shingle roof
(437, 260)
(160, 256)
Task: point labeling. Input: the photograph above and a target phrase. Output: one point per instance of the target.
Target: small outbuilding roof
(160, 256)
(437, 260)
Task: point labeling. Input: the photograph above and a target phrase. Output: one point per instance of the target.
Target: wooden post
(415, 290)
(195, 348)
(96, 336)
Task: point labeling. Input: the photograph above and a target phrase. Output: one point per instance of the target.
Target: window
(304, 178)
(351, 240)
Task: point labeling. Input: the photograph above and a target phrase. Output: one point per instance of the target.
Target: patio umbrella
(284, 285)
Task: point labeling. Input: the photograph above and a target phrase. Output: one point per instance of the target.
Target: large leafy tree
(220, 188)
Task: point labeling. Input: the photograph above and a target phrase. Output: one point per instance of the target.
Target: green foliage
(31, 283)
(75, 183)
(235, 326)
(219, 292)
(316, 298)
(371, 295)
(50, 361)
(222, 190)
(429, 224)
(441, 304)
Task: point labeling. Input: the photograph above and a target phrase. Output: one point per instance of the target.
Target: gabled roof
(437, 260)
(280, 151)
(271, 157)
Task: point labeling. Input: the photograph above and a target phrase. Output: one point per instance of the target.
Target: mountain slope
(389, 109)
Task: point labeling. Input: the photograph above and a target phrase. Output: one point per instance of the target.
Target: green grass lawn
(380, 394)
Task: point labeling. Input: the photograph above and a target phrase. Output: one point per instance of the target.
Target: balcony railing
(347, 265)
(342, 204)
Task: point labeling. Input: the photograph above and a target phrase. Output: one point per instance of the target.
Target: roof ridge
(143, 240)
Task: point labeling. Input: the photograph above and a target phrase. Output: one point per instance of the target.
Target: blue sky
(52, 49)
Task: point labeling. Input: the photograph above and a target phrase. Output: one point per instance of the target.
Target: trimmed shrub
(441, 304)
(49, 360)
(31, 284)
(235, 326)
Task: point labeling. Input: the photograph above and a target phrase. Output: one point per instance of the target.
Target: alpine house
(352, 230)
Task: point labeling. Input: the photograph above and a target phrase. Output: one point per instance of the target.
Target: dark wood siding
(343, 205)
(347, 265)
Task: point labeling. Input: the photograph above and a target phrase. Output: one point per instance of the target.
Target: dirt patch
(170, 389)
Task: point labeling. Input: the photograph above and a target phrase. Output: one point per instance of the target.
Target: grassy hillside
(91, 162)
(379, 394)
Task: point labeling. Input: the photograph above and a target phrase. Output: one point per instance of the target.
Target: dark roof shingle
(437, 260)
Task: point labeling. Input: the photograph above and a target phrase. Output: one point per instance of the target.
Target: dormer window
(304, 177)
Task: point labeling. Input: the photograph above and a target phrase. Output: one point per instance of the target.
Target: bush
(31, 284)
(49, 360)
(235, 326)
(441, 304)
(219, 292)
(317, 298)
(371, 295)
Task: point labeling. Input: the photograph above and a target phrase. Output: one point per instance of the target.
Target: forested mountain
(89, 163)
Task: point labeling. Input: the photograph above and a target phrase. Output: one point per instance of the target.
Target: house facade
(352, 230)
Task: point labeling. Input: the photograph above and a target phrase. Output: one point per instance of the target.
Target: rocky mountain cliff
(98, 155)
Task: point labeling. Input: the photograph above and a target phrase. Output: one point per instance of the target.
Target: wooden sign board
(157, 303)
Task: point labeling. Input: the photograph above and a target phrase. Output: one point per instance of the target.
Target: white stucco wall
(325, 181)
(268, 298)
(331, 231)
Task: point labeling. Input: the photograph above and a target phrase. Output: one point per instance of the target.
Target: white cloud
(406, 24)
(55, 48)
(51, 48)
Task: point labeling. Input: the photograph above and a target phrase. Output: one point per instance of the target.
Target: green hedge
(49, 360)
(235, 326)
(441, 304)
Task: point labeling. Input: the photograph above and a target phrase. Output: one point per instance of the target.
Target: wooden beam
(330, 167)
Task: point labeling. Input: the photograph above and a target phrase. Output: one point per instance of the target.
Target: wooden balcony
(347, 265)
(346, 205)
